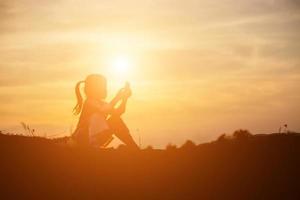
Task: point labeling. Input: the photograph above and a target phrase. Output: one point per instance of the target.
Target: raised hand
(127, 91)
(124, 93)
(120, 94)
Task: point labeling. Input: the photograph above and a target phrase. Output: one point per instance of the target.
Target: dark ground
(256, 167)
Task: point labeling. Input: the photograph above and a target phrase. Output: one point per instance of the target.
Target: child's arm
(117, 98)
(122, 107)
(107, 108)
(122, 95)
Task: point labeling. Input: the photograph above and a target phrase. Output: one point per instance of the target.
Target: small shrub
(241, 134)
(170, 147)
(222, 138)
(149, 147)
(188, 145)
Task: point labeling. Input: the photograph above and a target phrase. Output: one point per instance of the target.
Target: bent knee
(117, 124)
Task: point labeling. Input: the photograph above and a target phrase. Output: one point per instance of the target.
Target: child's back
(93, 119)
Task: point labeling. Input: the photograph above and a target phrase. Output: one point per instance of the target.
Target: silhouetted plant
(27, 128)
(3, 132)
(171, 147)
(188, 145)
(241, 134)
(149, 147)
(222, 138)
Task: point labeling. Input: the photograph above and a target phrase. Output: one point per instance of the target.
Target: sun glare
(121, 66)
(117, 67)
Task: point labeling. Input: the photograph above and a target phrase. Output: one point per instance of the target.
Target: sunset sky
(197, 68)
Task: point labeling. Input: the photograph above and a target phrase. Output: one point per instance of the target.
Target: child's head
(94, 88)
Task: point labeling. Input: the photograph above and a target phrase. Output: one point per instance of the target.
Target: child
(99, 120)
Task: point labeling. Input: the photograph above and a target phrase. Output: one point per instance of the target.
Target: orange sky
(197, 68)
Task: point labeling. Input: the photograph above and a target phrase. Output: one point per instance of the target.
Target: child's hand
(124, 93)
(120, 93)
(127, 91)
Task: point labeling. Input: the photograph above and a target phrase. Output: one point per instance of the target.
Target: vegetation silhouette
(239, 166)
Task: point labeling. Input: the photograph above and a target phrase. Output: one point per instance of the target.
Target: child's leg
(102, 139)
(81, 136)
(120, 129)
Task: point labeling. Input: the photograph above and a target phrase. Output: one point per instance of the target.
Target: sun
(121, 65)
(118, 67)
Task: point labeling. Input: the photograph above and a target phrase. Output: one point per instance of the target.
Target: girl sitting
(98, 119)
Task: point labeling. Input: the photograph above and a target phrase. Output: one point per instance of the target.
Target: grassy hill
(240, 167)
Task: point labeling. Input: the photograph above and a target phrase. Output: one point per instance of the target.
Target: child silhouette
(98, 119)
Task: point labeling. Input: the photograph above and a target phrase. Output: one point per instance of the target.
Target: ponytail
(78, 107)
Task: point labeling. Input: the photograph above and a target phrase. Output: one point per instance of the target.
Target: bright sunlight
(121, 66)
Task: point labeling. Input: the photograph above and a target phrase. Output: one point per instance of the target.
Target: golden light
(121, 67)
